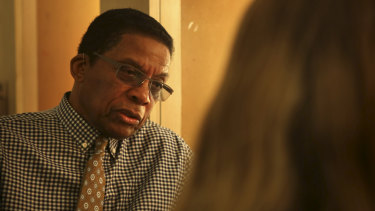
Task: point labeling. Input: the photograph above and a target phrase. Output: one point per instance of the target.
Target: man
(119, 74)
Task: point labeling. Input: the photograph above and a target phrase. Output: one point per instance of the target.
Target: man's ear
(78, 65)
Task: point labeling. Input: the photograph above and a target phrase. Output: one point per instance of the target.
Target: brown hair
(292, 125)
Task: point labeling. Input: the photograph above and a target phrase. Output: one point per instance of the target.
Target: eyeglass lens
(133, 77)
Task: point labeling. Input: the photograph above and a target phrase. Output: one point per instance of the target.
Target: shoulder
(155, 134)
(27, 117)
(26, 121)
(153, 129)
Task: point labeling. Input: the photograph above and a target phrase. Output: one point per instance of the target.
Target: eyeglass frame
(118, 65)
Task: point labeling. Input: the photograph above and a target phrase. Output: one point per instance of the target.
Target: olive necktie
(93, 183)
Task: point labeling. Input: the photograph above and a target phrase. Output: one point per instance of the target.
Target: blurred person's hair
(292, 126)
(107, 29)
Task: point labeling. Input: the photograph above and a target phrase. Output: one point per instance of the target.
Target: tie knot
(100, 145)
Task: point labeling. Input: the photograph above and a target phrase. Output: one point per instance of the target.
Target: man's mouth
(129, 117)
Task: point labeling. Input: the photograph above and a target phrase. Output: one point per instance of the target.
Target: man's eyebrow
(132, 63)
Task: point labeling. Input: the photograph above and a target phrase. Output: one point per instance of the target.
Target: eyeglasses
(134, 77)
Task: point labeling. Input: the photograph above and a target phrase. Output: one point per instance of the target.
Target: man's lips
(129, 117)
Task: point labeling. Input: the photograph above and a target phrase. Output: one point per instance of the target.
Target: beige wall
(142, 5)
(207, 30)
(61, 24)
(170, 111)
(26, 56)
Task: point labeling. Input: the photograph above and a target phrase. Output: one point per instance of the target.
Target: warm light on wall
(61, 25)
(47, 37)
(208, 29)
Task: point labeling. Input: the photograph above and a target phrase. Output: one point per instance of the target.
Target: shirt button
(84, 145)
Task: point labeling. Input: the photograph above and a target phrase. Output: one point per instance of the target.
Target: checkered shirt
(43, 156)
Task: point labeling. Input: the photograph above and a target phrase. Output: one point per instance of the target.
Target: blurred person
(292, 126)
(98, 150)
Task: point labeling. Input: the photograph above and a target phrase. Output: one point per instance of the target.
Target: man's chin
(120, 130)
(125, 131)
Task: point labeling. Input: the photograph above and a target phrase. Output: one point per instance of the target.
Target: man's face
(113, 107)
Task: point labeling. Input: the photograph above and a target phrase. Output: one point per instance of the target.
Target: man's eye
(156, 85)
(128, 71)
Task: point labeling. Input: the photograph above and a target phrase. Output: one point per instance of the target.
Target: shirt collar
(79, 129)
